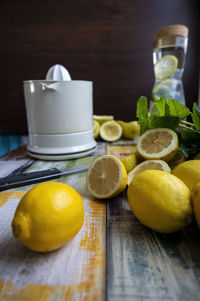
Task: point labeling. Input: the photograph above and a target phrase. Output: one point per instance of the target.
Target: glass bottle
(170, 47)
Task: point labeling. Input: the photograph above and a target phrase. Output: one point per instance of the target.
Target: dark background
(108, 42)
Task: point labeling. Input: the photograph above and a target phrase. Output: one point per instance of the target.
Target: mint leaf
(196, 116)
(142, 108)
(160, 105)
(142, 114)
(170, 122)
(177, 109)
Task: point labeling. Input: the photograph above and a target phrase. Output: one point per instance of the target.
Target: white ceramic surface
(58, 72)
(59, 116)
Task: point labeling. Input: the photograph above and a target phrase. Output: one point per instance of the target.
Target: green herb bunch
(172, 114)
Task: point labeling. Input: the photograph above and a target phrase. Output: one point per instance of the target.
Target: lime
(165, 67)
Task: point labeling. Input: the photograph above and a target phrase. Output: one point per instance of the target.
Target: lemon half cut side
(159, 143)
(147, 165)
(110, 131)
(106, 177)
(165, 67)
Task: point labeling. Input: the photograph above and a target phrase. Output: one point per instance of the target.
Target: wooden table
(113, 257)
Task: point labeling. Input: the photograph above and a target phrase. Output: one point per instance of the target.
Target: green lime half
(165, 67)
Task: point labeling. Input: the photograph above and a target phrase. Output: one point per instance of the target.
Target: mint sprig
(172, 114)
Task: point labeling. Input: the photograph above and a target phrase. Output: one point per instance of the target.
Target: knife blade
(37, 176)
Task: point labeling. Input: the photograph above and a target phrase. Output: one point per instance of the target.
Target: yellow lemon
(188, 172)
(196, 202)
(106, 177)
(165, 67)
(130, 162)
(197, 157)
(160, 143)
(96, 129)
(103, 118)
(146, 165)
(176, 160)
(122, 123)
(48, 216)
(110, 131)
(131, 130)
(160, 201)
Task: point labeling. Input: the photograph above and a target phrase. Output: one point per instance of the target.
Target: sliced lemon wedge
(110, 131)
(106, 177)
(165, 67)
(166, 88)
(146, 165)
(159, 143)
(103, 118)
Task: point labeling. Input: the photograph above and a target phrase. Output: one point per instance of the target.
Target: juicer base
(59, 157)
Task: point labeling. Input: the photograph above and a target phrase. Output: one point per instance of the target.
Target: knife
(37, 176)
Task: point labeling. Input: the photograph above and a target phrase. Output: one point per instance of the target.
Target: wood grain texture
(108, 42)
(75, 271)
(145, 265)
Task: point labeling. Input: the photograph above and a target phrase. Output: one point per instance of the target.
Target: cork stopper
(171, 30)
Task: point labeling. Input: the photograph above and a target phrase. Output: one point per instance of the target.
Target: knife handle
(28, 178)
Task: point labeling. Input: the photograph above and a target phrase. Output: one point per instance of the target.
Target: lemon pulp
(147, 165)
(165, 67)
(106, 177)
(159, 143)
(110, 131)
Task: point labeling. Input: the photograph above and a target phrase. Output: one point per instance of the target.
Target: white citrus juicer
(59, 116)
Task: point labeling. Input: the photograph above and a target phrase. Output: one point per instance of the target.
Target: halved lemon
(110, 131)
(106, 177)
(103, 118)
(160, 143)
(96, 129)
(165, 67)
(146, 165)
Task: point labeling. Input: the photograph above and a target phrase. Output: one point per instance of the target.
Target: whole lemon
(48, 216)
(188, 172)
(196, 202)
(160, 201)
(131, 130)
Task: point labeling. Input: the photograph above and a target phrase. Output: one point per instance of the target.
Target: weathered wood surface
(135, 262)
(143, 265)
(74, 272)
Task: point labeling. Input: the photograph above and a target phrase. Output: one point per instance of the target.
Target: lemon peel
(160, 201)
(48, 216)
